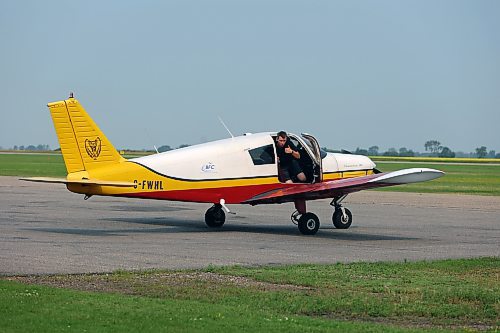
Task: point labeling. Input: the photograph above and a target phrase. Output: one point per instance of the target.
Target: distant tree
(446, 152)
(15, 148)
(405, 152)
(164, 148)
(481, 152)
(391, 152)
(373, 151)
(360, 151)
(21, 147)
(491, 154)
(183, 146)
(433, 146)
(497, 155)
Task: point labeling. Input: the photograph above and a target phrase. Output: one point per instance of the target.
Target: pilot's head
(281, 138)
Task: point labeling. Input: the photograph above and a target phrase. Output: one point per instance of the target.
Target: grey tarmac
(45, 229)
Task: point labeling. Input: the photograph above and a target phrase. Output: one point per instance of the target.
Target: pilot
(288, 156)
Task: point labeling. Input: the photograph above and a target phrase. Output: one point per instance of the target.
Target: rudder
(83, 145)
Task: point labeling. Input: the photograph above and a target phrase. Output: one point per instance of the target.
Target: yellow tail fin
(83, 145)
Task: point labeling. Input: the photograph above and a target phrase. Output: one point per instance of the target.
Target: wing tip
(407, 176)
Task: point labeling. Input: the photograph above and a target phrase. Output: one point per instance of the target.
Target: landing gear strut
(308, 223)
(342, 217)
(215, 216)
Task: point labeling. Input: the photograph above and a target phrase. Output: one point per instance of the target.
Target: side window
(262, 155)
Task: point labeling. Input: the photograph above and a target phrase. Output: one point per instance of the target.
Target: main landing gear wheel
(308, 224)
(215, 216)
(342, 220)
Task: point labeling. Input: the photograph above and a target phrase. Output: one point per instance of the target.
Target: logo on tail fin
(93, 147)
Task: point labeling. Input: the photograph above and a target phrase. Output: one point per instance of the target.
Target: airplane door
(315, 149)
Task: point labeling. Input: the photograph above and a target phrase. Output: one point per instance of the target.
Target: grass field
(27, 165)
(482, 179)
(371, 297)
(436, 159)
(479, 179)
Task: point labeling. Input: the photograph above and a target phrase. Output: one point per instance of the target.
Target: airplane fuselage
(226, 169)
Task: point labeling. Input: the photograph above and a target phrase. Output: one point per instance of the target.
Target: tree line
(433, 148)
(30, 148)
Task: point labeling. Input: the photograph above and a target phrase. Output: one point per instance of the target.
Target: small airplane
(236, 170)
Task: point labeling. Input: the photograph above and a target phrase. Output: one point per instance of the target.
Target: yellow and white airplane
(237, 170)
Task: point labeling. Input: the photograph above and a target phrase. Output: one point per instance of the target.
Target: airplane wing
(79, 181)
(334, 188)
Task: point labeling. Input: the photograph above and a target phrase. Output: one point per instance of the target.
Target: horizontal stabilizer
(79, 181)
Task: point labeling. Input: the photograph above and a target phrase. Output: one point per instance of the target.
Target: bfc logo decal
(209, 167)
(93, 147)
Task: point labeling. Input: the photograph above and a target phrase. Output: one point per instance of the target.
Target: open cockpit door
(311, 164)
(313, 146)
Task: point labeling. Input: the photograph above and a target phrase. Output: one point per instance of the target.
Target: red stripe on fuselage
(232, 195)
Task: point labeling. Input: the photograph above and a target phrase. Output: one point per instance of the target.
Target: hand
(288, 150)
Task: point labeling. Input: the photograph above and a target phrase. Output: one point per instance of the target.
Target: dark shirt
(285, 159)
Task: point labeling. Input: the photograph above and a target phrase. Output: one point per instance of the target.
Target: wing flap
(79, 181)
(333, 188)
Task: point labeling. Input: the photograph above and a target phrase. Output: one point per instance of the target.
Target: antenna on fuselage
(227, 129)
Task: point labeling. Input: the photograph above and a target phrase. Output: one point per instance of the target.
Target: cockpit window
(262, 155)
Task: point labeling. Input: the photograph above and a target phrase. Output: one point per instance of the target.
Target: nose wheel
(342, 217)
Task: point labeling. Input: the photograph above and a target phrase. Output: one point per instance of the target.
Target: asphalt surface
(46, 229)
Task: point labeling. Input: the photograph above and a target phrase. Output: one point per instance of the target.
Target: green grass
(465, 179)
(482, 179)
(436, 159)
(372, 297)
(442, 292)
(31, 165)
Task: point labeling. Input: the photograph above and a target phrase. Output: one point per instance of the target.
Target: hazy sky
(352, 73)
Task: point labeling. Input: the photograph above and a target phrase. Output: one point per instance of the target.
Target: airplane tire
(215, 217)
(308, 224)
(339, 221)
